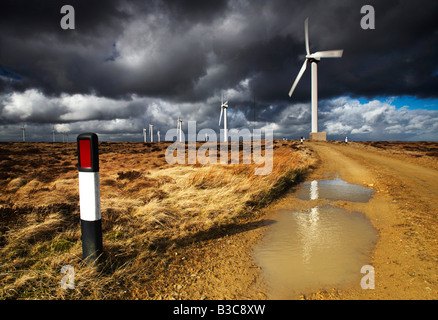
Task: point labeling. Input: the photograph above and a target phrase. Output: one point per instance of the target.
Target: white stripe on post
(89, 196)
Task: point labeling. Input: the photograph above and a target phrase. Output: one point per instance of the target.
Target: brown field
(187, 231)
(423, 152)
(151, 211)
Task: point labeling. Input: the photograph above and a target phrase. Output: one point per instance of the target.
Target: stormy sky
(129, 63)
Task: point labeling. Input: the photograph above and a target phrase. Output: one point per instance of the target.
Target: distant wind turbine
(144, 135)
(179, 128)
(64, 135)
(151, 132)
(23, 128)
(224, 107)
(53, 134)
(158, 135)
(313, 59)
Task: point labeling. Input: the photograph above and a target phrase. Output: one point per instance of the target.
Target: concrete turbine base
(319, 136)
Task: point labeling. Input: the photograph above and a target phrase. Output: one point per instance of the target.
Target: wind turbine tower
(224, 107)
(151, 132)
(314, 59)
(179, 128)
(158, 135)
(144, 135)
(23, 128)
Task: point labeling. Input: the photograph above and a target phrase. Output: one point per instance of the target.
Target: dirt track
(403, 210)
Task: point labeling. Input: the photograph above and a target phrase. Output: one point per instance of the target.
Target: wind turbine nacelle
(311, 57)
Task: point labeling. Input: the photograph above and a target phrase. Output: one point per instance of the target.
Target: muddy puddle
(335, 189)
(324, 246)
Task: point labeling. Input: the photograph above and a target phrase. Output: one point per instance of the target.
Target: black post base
(92, 247)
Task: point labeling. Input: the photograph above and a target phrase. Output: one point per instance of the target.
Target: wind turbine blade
(328, 54)
(300, 74)
(306, 34)
(220, 117)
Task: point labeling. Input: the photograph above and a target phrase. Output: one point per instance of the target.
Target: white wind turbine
(53, 134)
(144, 134)
(158, 135)
(179, 128)
(313, 58)
(151, 132)
(224, 107)
(65, 136)
(23, 128)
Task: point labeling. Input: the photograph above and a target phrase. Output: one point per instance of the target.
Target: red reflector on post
(85, 153)
(88, 152)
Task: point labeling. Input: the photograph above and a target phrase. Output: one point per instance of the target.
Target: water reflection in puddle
(336, 189)
(318, 247)
(322, 246)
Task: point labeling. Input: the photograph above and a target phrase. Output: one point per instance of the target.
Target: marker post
(89, 196)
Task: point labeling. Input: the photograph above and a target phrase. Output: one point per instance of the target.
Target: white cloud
(373, 120)
(337, 128)
(364, 129)
(25, 105)
(394, 129)
(377, 120)
(84, 107)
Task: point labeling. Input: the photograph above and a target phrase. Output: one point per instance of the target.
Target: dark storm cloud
(35, 48)
(29, 18)
(44, 56)
(179, 42)
(158, 59)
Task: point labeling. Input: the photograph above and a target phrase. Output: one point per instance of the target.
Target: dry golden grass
(148, 208)
(424, 153)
